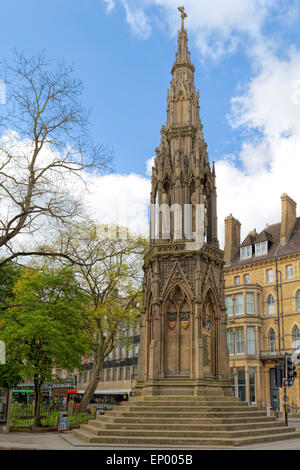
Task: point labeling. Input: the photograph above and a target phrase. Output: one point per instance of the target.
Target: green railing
(21, 416)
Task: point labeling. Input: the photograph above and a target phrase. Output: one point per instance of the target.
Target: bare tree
(45, 150)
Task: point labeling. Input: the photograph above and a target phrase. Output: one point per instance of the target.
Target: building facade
(119, 372)
(262, 296)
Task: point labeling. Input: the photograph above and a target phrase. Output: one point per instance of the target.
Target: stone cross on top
(183, 16)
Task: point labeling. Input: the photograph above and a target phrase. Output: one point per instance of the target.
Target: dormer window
(246, 252)
(261, 248)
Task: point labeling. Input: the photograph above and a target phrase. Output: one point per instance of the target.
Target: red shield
(172, 324)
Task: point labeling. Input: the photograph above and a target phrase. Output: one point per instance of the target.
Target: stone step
(179, 399)
(175, 434)
(179, 414)
(181, 421)
(192, 405)
(185, 427)
(184, 409)
(187, 442)
(173, 389)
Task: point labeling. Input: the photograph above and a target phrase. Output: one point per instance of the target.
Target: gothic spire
(183, 54)
(183, 99)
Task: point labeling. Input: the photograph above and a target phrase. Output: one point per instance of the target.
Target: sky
(247, 59)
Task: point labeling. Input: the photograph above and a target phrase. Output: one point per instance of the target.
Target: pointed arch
(177, 277)
(177, 310)
(211, 285)
(298, 300)
(177, 292)
(210, 305)
(270, 304)
(296, 337)
(272, 340)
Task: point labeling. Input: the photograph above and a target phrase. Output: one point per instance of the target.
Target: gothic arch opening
(177, 328)
(209, 333)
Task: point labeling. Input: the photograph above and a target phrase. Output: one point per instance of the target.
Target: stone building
(119, 372)
(262, 295)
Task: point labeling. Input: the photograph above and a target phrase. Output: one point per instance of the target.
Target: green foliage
(9, 273)
(9, 375)
(112, 276)
(42, 326)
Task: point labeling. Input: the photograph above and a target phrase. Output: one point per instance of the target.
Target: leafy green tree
(9, 375)
(43, 327)
(109, 269)
(9, 273)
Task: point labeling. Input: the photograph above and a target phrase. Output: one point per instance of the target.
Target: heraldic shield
(172, 321)
(185, 321)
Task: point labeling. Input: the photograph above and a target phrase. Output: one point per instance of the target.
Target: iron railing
(21, 416)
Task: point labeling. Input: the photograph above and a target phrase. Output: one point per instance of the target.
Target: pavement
(66, 441)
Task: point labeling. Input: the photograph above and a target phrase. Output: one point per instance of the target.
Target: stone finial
(183, 16)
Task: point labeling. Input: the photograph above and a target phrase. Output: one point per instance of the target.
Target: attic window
(246, 252)
(261, 248)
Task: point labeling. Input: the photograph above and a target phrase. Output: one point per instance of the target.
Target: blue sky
(246, 54)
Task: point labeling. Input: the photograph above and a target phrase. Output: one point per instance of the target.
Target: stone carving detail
(178, 307)
(185, 320)
(172, 320)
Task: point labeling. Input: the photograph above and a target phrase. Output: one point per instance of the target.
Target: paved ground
(66, 441)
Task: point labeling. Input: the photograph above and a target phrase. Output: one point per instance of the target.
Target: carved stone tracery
(185, 332)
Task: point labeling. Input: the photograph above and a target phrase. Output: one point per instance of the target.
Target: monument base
(183, 386)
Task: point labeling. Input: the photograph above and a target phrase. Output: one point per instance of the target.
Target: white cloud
(109, 199)
(149, 165)
(121, 200)
(110, 5)
(217, 27)
(270, 161)
(137, 19)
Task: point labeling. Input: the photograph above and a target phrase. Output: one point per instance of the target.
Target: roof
(272, 234)
(265, 235)
(250, 239)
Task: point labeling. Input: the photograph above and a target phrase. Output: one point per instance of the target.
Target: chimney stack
(232, 238)
(288, 217)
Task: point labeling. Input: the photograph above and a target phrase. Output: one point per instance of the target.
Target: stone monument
(183, 324)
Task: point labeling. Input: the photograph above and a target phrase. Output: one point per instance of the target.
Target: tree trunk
(96, 374)
(37, 405)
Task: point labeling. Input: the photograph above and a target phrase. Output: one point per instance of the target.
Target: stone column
(142, 356)
(214, 221)
(159, 217)
(197, 339)
(247, 394)
(155, 346)
(152, 218)
(223, 357)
